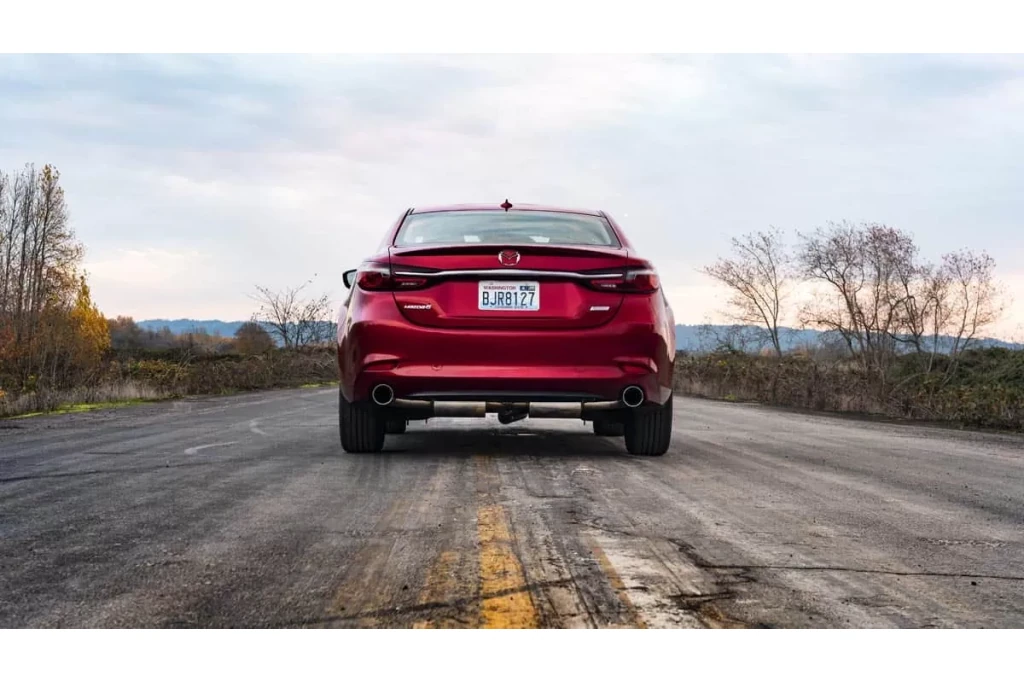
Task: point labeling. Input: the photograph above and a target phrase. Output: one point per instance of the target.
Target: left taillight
(373, 277)
(377, 277)
(632, 281)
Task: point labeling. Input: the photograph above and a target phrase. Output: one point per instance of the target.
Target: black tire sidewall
(649, 432)
(360, 426)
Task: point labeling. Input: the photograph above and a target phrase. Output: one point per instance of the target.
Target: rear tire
(649, 432)
(395, 426)
(361, 425)
(608, 428)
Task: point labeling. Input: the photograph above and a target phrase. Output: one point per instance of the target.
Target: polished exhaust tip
(382, 395)
(632, 396)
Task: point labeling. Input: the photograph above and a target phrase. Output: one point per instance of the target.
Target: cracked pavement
(242, 511)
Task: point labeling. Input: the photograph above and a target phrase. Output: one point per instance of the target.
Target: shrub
(985, 389)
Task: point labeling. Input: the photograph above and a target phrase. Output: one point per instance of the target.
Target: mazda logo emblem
(509, 258)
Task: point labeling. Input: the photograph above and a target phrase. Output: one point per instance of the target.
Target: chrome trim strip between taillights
(506, 272)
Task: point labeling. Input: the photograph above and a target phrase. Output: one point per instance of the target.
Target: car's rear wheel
(395, 426)
(649, 432)
(609, 428)
(361, 425)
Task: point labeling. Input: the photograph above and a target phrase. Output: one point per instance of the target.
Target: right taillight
(644, 281)
(635, 281)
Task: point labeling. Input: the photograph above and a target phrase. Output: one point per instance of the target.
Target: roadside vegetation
(901, 334)
(58, 352)
(985, 389)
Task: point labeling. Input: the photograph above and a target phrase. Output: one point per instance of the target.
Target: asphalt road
(243, 512)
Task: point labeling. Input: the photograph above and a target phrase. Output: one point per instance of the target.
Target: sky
(193, 179)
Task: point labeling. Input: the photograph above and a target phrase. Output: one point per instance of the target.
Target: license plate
(505, 295)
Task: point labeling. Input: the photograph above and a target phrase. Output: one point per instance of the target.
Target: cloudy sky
(193, 179)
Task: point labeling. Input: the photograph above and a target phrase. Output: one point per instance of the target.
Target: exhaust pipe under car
(382, 395)
(632, 396)
(508, 412)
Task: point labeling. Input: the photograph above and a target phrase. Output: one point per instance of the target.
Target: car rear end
(509, 311)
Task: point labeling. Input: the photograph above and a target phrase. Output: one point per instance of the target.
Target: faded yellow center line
(505, 600)
(616, 583)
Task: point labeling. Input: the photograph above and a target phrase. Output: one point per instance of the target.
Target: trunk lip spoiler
(575, 249)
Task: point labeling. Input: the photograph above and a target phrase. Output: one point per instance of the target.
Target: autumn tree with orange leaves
(51, 333)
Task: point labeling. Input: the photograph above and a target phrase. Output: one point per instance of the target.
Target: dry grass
(128, 381)
(219, 374)
(986, 391)
(78, 399)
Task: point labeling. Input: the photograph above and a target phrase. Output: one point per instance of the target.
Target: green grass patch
(79, 408)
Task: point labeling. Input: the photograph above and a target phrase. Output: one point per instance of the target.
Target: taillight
(373, 277)
(639, 281)
(642, 281)
(377, 277)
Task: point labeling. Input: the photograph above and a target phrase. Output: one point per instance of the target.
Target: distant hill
(705, 337)
(183, 325)
(696, 338)
(692, 338)
(218, 328)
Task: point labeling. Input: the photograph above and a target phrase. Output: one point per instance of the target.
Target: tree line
(52, 335)
(50, 330)
(254, 337)
(868, 286)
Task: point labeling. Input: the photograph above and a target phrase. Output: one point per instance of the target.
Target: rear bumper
(510, 365)
(529, 383)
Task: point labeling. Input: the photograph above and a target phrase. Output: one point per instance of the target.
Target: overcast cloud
(192, 179)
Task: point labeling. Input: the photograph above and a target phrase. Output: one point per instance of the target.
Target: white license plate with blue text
(504, 295)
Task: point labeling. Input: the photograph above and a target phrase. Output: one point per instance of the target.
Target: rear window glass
(500, 227)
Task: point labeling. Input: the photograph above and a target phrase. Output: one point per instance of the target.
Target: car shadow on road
(537, 442)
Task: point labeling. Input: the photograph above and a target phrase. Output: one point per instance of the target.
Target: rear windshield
(501, 227)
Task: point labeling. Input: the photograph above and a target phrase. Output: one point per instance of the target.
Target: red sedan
(523, 311)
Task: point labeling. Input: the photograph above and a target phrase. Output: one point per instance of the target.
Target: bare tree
(7, 212)
(928, 313)
(41, 330)
(883, 301)
(279, 311)
(730, 338)
(315, 326)
(972, 299)
(758, 277)
(297, 321)
(869, 273)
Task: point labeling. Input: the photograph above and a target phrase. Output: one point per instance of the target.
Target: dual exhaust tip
(384, 395)
(633, 396)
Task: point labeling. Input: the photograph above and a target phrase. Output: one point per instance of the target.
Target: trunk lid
(524, 286)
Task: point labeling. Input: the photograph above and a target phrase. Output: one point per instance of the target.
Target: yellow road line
(506, 602)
